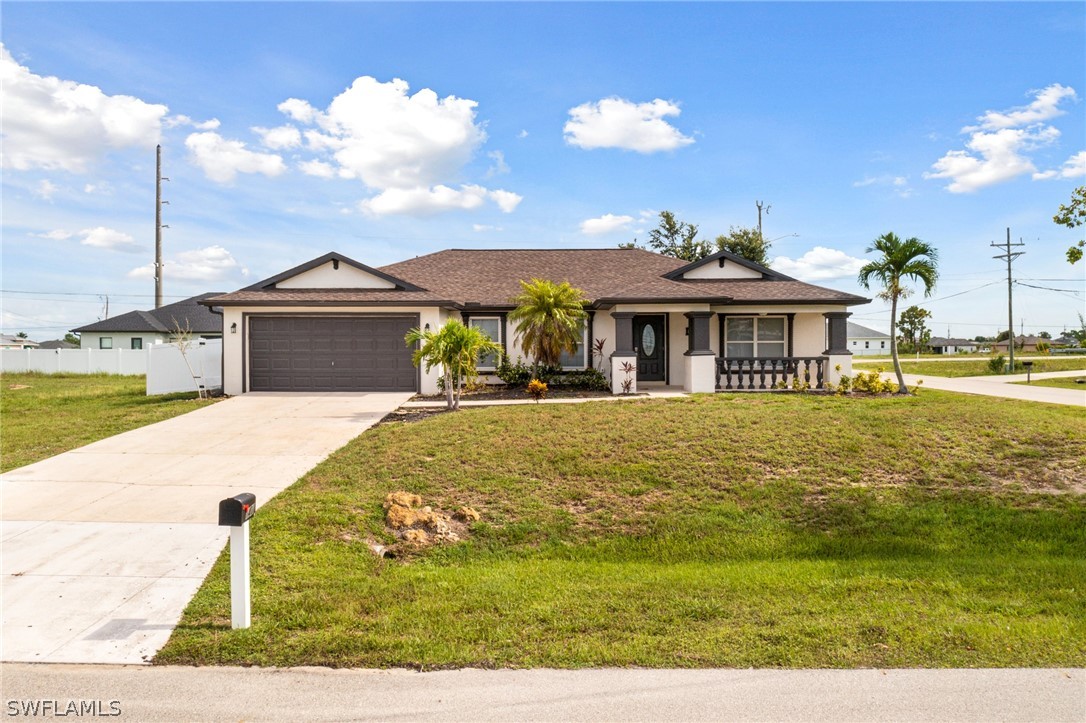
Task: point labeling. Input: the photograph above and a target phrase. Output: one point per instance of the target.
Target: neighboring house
(865, 342)
(1065, 340)
(57, 344)
(946, 345)
(336, 324)
(1021, 343)
(140, 329)
(8, 341)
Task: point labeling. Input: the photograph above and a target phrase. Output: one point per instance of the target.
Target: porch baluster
(761, 370)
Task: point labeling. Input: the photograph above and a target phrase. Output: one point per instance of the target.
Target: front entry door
(648, 334)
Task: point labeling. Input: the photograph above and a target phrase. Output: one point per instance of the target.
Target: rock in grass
(466, 514)
(403, 499)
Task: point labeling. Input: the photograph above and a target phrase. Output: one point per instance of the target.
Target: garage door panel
(331, 354)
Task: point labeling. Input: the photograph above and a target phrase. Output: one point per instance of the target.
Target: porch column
(700, 358)
(837, 353)
(624, 352)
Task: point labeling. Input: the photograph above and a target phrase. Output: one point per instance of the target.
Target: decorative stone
(399, 517)
(466, 514)
(416, 537)
(403, 499)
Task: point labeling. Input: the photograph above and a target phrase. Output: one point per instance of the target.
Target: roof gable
(724, 265)
(163, 320)
(333, 271)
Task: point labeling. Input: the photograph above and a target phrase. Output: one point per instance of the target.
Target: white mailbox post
(235, 512)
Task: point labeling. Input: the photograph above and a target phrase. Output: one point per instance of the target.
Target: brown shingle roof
(489, 278)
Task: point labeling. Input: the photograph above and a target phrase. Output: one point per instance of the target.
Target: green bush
(589, 379)
(520, 374)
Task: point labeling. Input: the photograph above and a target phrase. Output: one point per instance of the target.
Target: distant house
(57, 344)
(139, 329)
(1065, 340)
(1021, 343)
(946, 345)
(7, 341)
(863, 341)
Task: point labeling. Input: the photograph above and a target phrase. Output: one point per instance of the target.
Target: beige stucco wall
(326, 276)
(730, 270)
(121, 340)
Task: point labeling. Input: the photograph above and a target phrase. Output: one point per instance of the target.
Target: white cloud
(278, 138)
(819, 264)
(222, 159)
(522, 134)
(427, 201)
(102, 237)
(317, 168)
(63, 125)
(55, 235)
(212, 263)
(499, 166)
(619, 123)
(1045, 106)
(998, 146)
(480, 228)
(175, 121)
(606, 223)
(45, 190)
(992, 158)
(410, 149)
(899, 184)
(1073, 167)
(103, 187)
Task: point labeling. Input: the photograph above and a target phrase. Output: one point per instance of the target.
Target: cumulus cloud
(499, 166)
(55, 235)
(102, 237)
(317, 168)
(45, 190)
(440, 198)
(222, 159)
(279, 138)
(212, 263)
(408, 148)
(175, 121)
(819, 264)
(619, 123)
(999, 145)
(1073, 167)
(63, 125)
(606, 223)
(899, 184)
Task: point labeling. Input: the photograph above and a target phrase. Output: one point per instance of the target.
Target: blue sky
(286, 134)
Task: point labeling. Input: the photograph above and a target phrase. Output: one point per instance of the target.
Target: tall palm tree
(549, 319)
(456, 348)
(900, 259)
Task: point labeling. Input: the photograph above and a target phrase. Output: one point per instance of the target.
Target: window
(867, 345)
(754, 336)
(882, 345)
(492, 327)
(105, 342)
(576, 360)
(137, 343)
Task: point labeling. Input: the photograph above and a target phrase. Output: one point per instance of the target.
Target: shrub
(873, 383)
(588, 379)
(537, 389)
(996, 364)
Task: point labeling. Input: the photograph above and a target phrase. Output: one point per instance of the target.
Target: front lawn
(1059, 383)
(46, 414)
(719, 530)
(971, 368)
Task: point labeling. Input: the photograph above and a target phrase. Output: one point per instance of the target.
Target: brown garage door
(330, 354)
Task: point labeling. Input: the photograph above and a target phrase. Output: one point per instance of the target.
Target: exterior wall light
(234, 328)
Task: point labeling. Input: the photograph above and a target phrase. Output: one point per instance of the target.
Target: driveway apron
(104, 546)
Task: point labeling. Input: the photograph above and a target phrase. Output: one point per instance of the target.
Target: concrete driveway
(104, 546)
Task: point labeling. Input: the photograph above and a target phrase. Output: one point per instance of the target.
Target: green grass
(722, 530)
(972, 368)
(1059, 383)
(46, 414)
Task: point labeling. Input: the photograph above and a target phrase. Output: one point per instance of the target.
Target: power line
(87, 293)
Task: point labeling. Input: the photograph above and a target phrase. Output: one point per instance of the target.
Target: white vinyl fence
(167, 371)
(75, 361)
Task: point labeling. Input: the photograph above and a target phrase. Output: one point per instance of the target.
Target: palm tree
(549, 319)
(899, 260)
(456, 348)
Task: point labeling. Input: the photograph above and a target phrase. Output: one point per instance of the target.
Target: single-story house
(947, 345)
(140, 329)
(335, 324)
(57, 344)
(10, 341)
(1021, 343)
(866, 342)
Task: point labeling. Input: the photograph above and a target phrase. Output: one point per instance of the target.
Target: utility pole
(158, 225)
(761, 207)
(1009, 256)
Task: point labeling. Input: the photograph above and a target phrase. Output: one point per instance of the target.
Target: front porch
(737, 349)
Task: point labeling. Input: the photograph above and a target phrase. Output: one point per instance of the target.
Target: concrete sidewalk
(104, 546)
(321, 694)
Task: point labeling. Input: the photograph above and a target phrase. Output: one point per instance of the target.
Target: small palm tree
(549, 319)
(456, 348)
(909, 258)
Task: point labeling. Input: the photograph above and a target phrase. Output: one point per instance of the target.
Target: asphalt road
(141, 693)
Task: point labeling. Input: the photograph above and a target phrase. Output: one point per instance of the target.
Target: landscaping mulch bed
(504, 393)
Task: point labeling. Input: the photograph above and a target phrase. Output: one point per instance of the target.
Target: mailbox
(235, 511)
